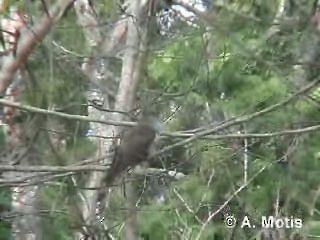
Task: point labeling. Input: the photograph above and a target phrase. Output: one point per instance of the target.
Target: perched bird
(134, 147)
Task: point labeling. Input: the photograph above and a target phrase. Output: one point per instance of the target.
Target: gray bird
(135, 147)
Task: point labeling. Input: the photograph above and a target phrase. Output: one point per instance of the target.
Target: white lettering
(245, 222)
(273, 222)
(267, 222)
(279, 223)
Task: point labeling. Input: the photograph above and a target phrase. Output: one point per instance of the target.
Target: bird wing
(134, 148)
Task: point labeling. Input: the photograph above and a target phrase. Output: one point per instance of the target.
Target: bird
(134, 147)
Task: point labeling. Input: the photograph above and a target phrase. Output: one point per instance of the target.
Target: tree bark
(133, 32)
(26, 201)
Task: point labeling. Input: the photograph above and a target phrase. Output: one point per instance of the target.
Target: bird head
(153, 122)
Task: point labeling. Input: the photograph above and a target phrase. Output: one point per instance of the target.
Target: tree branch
(62, 115)
(240, 119)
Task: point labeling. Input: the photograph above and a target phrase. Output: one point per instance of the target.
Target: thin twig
(228, 200)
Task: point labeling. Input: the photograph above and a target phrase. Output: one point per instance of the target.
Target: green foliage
(152, 224)
(2, 136)
(253, 93)
(59, 222)
(178, 67)
(5, 226)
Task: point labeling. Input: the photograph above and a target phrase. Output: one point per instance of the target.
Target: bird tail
(115, 168)
(113, 171)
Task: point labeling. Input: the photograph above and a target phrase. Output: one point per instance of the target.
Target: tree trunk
(135, 32)
(26, 202)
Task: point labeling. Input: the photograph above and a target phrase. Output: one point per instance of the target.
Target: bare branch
(297, 131)
(204, 134)
(18, 168)
(187, 205)
(241, 119)
(63, 115)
